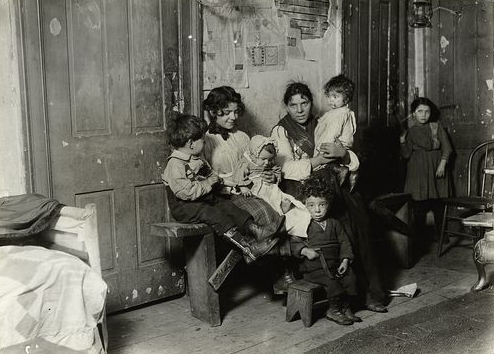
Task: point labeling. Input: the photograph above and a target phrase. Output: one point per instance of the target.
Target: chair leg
(443, 230)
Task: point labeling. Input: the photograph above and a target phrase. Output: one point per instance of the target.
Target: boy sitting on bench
(191, 186)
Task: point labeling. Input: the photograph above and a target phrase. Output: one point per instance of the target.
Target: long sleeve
(292, 167)
(446, 148)
(345, 245)
(175, 177)
(406, 148)
(224, 155)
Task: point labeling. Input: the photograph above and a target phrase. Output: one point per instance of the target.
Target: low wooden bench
(204, 278)
(300, 299)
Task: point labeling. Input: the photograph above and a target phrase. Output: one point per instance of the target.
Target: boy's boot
(334, 312)
(251, 249)
(266, 231)
(347, 311)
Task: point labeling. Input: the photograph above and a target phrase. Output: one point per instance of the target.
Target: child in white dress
(261, 157)
(338, 125)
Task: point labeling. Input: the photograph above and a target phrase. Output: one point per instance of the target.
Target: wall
(12, 143)
(317, 57)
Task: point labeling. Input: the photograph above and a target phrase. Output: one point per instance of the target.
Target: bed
(52, 296)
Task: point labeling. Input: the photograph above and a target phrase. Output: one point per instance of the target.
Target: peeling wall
(263, 97)
(12, 160)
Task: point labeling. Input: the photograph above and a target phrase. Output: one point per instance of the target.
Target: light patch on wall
(99, 161)
(443, 60)
(148, 290)
(160, 290)
(55, 27)
(64, 143)
(444, 43)
(489, 84)
(134, 294)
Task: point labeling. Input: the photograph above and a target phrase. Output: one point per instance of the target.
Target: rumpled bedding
(50, 295)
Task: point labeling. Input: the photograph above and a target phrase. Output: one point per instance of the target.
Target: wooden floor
(254, 321)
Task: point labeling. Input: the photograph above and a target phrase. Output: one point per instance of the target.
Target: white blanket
(50, 295)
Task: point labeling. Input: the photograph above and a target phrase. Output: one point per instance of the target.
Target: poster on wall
(246, 39)
(223, 52)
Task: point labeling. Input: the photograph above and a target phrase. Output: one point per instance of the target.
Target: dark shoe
(349, 313)
(261, 248)
(335, 315)
(266, 231)
(374, 307)
(280, 287)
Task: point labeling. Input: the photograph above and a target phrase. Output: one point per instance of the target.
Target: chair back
(480, 179)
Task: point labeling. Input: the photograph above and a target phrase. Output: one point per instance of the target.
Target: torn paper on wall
(223, 52)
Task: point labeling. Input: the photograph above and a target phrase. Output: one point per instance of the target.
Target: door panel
(458, 71)
(112, 80)
(371, 59)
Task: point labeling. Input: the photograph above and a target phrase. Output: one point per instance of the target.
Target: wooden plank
(221, 273)
(179, 230)
(200, 255)
(304, 3)
(305, 10)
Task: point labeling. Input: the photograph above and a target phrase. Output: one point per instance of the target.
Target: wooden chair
(479, 197)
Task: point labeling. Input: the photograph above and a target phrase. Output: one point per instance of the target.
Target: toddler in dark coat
(327, 252)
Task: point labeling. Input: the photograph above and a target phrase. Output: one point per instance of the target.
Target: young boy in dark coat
(327, 252)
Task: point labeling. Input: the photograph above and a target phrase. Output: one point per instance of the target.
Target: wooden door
(111, 78)
(374, 57)
(458, 72)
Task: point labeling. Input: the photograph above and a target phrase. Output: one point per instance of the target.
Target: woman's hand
(441, 169)
(268, 176)
(246, 192)
(342, 269)
(310, 253)
(333, 150)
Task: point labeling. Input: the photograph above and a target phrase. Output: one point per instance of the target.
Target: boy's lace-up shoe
(335, 315)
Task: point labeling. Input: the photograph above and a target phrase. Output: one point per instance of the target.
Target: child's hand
(310, 253)
(268, 176)
(441, 169)
(213, 179)
(245, 191)
(342, 269)
(403, 137)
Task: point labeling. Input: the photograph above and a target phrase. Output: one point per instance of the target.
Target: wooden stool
(300, 299)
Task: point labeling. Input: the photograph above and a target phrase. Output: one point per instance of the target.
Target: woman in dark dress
(295, 137)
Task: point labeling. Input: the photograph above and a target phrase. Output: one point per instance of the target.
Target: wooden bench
(204, 278)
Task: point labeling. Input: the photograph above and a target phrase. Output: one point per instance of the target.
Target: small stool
(300, 299)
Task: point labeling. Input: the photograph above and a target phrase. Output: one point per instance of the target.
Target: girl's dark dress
(426, 144)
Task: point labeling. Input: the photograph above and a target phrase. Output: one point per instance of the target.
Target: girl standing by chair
(427, 148)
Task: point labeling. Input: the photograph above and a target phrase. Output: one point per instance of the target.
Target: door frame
(33, 83)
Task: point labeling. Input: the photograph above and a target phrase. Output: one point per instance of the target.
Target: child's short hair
(340, 84)
(320, 186)
(185, 127)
